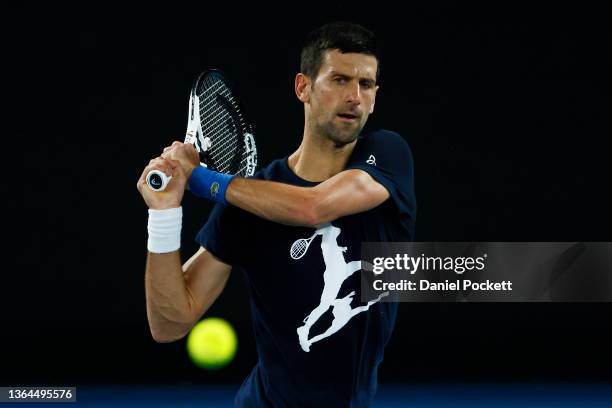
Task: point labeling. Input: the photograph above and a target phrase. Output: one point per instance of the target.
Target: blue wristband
(209, 184)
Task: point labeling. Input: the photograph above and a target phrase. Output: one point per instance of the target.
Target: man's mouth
(347, 117)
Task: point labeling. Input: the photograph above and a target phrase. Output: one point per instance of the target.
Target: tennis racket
(299, 247)
(218, 129)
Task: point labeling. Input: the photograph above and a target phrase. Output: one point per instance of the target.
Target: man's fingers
(192, 152)
(161, 164)
(176, 165)
(177, 145)
(168, 151)
(170, 167)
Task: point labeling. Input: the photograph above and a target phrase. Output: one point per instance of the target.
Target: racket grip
(157, 180)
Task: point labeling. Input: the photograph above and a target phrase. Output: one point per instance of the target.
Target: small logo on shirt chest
(371, 160)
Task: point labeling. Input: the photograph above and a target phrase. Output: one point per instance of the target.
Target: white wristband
(165, 230)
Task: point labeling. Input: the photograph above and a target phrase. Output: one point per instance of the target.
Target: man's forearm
(348, 192)
(168, 304)
(278, 202)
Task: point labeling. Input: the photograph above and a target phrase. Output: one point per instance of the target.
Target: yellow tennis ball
(212, 343)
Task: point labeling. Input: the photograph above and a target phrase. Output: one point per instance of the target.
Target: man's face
(342, 95)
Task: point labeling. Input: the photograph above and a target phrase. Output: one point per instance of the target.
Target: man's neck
(318, 158)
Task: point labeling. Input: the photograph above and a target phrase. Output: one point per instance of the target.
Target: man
(317, 345)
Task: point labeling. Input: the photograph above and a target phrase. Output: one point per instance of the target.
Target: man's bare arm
(348, 192)
(178, 296)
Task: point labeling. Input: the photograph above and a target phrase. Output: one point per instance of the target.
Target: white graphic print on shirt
(337, 270)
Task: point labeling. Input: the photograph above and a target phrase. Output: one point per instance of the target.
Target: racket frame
(195, 136)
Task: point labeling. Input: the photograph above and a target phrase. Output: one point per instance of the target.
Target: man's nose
(354, 93)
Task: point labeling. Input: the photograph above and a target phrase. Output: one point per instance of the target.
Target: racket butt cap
(157, 180)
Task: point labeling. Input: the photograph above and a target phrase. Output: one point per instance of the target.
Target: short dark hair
(342, 36)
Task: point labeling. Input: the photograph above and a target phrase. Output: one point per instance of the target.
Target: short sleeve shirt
(318, 344)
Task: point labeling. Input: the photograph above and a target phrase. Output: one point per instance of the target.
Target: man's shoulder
(381, 133)
(386, 145)
(384, 137)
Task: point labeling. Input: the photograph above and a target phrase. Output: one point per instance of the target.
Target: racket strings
(224, 145)
(218, 124)
(221, 121)
(206, 100)
(216, 115)
(211, 99)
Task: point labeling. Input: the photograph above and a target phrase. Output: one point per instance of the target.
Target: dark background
(507, 111)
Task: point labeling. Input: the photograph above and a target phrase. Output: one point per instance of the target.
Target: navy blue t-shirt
(318, 344)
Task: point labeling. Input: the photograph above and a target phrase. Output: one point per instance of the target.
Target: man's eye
(340, 80)
(367, 84)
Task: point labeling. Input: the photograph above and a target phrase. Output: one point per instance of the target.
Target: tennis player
(318, 345)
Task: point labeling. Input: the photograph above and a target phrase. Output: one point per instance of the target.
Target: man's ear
(374, 102)
(302, 87)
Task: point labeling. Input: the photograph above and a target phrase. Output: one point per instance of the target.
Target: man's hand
(185, 153)
(172, 196)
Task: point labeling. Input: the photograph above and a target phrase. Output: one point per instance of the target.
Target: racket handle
(157, 180)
